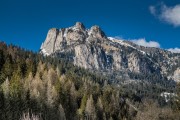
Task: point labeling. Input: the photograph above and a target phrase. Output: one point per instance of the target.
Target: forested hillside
(33, 86)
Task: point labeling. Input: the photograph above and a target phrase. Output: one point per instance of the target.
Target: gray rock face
(49, 44)
(176, 75)
(92, 49)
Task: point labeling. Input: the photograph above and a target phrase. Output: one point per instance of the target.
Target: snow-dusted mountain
(92, 49)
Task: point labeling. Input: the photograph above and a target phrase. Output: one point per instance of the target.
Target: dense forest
(36, 87)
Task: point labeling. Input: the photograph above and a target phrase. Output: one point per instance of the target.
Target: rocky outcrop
(176, 75)
(92, 49)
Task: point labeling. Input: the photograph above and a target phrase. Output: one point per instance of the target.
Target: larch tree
(90, 109)
(81, 110)
(5, 87)
(37, 87)
(100, 108)
(51, 91)
(62, 113)
(16, 84)
(7, 67)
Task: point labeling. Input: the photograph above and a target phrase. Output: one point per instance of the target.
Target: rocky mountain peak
(80, 25)
(97, 32)
(91, 49)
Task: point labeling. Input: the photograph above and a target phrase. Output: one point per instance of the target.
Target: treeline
(36, 87)
(48, 88)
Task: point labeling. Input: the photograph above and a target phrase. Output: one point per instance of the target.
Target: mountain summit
(93, 50)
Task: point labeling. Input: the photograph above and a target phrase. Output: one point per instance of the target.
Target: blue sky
(26, 22)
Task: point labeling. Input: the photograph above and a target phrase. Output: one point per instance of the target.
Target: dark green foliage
(1, 59)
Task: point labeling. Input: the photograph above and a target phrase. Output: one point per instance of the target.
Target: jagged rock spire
(80, 25)
(96, 31)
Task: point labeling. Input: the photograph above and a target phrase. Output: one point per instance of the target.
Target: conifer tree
(81, 110)
(5, 87)
(62, 113)
(2, 59)
(16, 84)
(100, 108)
(90, 109)
(8, 67)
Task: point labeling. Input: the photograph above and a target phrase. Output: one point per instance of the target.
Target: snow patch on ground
(75, 28)
(123, 43)
(167, 96)
(65, 32)
(89, 32)
(44, 52)
(128, 45)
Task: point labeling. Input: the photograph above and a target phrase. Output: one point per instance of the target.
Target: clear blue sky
(26, 22)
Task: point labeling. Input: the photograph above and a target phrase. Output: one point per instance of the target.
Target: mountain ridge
(92, 49)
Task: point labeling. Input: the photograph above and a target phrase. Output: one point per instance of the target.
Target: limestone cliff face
(176, 75)
(92, 49)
